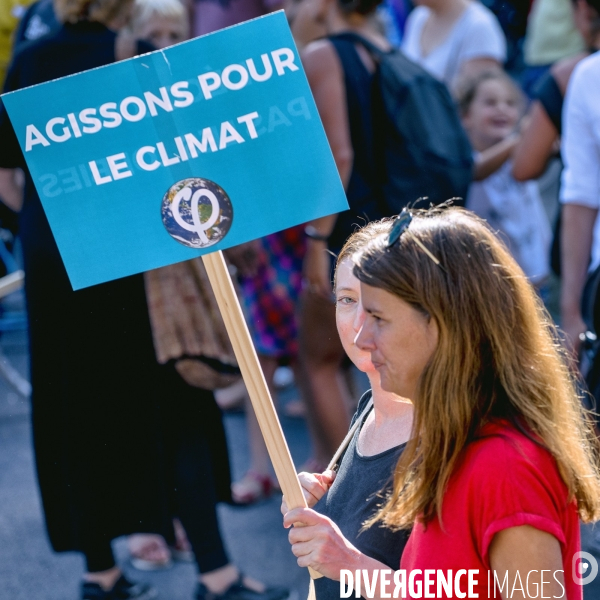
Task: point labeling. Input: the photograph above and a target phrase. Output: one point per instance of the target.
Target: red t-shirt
(505, 480)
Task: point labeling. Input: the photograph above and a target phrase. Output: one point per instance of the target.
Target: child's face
(493, 114)
(162, 32)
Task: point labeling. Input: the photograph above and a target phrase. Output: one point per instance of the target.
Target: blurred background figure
(92, 365)
(212, 15)
(162, 23)
(342, 95)
(11, 13)
(512, 16)
(454, 39)
(192, 430)
(580, 195)
(539, 141)
(340, 69)
(491, 105)
(393, 14)
(270, 294)
(38, 20)
(122, 443)
(270, 283)
(551, 36)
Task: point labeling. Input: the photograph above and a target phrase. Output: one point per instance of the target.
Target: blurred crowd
(510, 123)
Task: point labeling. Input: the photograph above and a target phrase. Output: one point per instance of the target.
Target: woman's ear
(433, 332)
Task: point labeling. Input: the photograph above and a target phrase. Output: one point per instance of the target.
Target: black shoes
(238, 591)
(123, 590)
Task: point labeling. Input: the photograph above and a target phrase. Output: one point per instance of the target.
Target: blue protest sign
(177, 153)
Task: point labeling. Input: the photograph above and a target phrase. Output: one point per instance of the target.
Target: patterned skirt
(271, 296)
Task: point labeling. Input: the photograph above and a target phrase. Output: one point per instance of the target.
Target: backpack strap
(334, 463)
(356, 76)
(356, 38)
(377, 113)
(345, 46)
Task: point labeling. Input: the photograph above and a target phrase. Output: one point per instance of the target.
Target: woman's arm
(490, 160)
(326, 78)
(576, 239)
(532, 554)
(536, 145)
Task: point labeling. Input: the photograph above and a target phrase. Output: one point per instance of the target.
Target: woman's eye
(346, 300)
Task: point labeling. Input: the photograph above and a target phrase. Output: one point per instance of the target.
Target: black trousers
(196, 474)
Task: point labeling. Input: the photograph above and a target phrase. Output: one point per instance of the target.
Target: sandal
(181, 551)
(149, 552)
(252, 488)
(238, 590)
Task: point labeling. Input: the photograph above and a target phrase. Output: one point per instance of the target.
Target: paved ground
(29, 570)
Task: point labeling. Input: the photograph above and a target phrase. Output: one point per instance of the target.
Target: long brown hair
(359, 239)
(498, 356)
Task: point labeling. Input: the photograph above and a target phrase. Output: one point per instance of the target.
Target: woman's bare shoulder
(562, 70)
(320, 61)
(318, 54)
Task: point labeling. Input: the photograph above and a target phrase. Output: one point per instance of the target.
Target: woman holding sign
(349, 496)
(500, 466)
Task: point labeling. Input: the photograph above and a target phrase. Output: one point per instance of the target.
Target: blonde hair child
(160, 22)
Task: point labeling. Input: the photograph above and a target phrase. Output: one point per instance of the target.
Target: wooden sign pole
(254, 379)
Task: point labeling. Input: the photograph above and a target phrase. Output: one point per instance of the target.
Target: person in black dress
(92, 364)
(121, 443)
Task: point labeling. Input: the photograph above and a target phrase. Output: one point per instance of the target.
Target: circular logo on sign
(197, 212)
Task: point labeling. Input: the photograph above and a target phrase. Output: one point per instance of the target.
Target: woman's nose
(364, 337)
(359, 318)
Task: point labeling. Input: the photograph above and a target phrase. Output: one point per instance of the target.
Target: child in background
(160, 22)
(491, 106)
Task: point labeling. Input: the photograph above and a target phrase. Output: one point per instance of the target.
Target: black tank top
(361, 198)
(354, 496)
